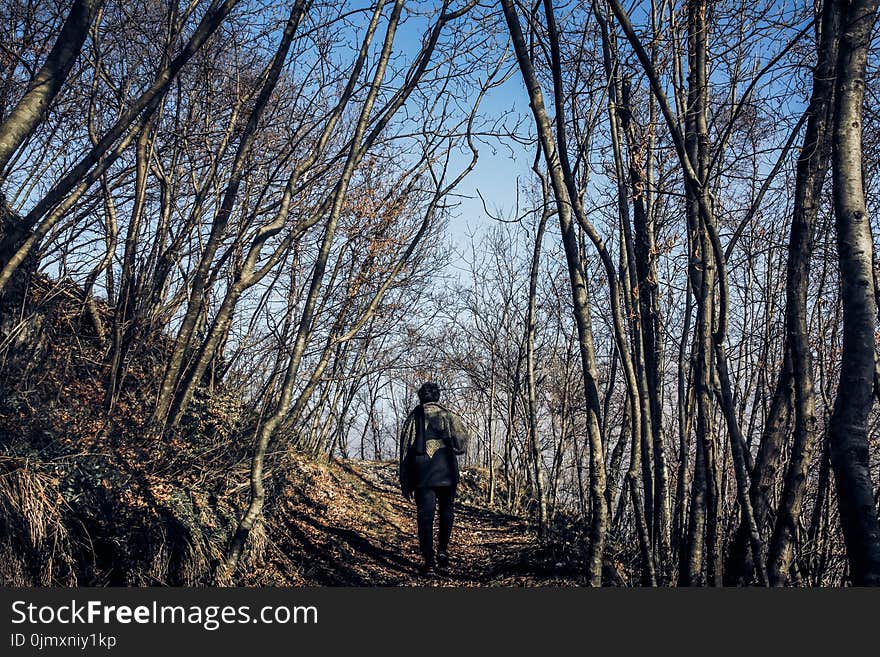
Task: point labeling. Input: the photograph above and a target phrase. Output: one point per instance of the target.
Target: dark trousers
(426, 504)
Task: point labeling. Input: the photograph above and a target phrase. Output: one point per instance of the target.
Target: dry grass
(36, 546)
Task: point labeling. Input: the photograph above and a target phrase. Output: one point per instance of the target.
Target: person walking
(432, 439)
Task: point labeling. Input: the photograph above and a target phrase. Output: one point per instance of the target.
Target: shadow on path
(360, 531)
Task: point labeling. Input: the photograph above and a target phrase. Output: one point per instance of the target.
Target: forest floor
(346, 523)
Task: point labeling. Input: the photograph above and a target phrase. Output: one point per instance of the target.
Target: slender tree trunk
(848, 425)
(738, 450)
(531, 387)
(579, 294)
(811, 171)
(763, 476)
(649, 343)
(703, 520)
(491, 429)
(685, 394)
(816, 562)
(27, 114)
(619, 324)
(618, 117)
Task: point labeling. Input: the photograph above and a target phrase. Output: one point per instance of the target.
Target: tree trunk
(537, 458)
(599, 524)
(491, 431)
(30, 110)
(848, 425)
(812, 166)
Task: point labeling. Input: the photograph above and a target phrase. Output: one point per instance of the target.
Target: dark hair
(429, 392)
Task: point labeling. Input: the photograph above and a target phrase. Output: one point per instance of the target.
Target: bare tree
(48, 81)
(847, 426)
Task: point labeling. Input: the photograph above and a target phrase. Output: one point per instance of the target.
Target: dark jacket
(431, 439)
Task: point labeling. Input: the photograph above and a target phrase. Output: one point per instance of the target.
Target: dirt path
(347, 524)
